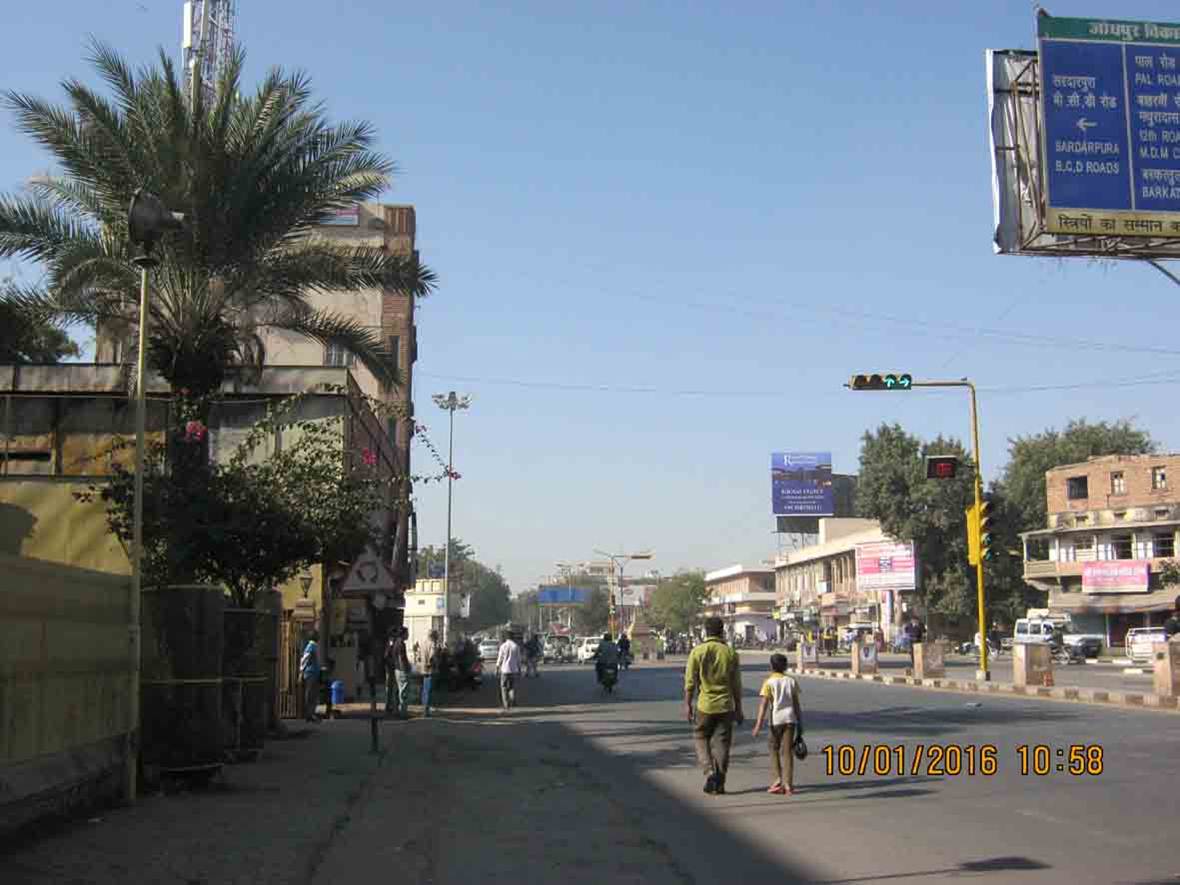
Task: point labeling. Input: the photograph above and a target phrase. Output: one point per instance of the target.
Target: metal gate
(290, 696)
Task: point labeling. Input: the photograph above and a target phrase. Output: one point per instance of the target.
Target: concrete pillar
(1167, 668)
(928, 660)
(864, 656)
(807, 655)
(1032, 664)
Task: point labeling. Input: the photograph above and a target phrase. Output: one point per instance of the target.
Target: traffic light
(881, 382)
(987, 535)
(973, 535)
(942, 466)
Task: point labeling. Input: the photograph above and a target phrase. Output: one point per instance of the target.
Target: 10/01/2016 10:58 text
(954, 760)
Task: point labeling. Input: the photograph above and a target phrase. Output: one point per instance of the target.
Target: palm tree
(253, 175)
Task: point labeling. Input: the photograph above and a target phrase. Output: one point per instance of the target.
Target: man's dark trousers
(713, 734)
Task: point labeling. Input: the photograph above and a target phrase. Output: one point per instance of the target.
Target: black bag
(799, 748)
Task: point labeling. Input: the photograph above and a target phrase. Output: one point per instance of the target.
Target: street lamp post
(147, 219)
(619, 561)
(452, 403)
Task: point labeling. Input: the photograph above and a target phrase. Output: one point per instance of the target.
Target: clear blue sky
(681, 197)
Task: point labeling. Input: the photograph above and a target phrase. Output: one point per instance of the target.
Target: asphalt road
(914, 825)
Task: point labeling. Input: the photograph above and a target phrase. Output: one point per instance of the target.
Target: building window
(1077, 488)
(1162, 513)
(1164, 546)
(1118, 484)
(1081, 519)
(1121, 547)
(1159, 478)
(395, 349)
(1120, 515)
(335, 355)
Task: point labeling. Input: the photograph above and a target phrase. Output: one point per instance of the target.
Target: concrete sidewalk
(269, 821)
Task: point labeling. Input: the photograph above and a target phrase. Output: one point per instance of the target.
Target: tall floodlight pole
(206, 43)
(618, 562)
(452, 403)
(147, 219)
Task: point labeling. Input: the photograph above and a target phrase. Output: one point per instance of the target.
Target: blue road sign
(1110, 94)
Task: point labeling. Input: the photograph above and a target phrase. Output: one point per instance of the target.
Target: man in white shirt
(508, 668)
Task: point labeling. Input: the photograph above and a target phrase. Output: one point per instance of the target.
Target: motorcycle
(1067, 654)
(609, 677)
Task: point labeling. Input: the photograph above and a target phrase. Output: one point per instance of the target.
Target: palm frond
(32, 229)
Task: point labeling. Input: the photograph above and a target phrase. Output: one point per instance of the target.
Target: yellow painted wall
(64, 665)
(39, 518)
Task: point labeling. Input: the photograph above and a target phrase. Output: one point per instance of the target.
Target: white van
(1034, 630)
(1140, 642)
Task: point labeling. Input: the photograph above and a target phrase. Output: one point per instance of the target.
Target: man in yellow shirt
(713, 675)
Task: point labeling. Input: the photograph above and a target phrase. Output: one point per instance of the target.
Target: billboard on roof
(801, 484)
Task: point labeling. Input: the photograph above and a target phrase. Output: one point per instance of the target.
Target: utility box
(928, 660)
(864, 657)
(807, 656)
(1167, 668)
(1032, 664)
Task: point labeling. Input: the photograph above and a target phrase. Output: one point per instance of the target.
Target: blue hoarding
(562, 595)
(1111, 106)
(801, 484)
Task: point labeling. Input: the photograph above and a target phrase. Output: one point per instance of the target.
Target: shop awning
(1112, 603)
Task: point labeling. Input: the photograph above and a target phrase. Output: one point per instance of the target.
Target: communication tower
(206, 42)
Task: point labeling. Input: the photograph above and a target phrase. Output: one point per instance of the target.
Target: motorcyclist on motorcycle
(606, 656)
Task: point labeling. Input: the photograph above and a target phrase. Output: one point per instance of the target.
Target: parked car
(1140, 641)
(489, 650)
(587, 650)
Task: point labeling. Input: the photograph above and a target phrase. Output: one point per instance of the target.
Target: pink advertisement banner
(885, 565)
(1115, 576)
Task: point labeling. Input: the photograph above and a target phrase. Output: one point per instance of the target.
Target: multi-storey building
(820, 586)
(1112, 525)
(744, 599)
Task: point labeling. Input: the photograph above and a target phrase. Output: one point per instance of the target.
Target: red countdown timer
(942, 467)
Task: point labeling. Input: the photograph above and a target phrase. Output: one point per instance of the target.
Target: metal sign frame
(1018, 180)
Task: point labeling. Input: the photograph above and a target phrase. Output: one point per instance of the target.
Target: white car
(587, 650)
(489, 650)
(1140, 643)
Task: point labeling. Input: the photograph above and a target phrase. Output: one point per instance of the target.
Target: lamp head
(148, 218)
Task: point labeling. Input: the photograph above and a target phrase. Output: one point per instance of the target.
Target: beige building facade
(1112, 525)
(744, 600)
(818, 586)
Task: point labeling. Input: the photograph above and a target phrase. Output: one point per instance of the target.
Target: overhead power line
(1171, 377)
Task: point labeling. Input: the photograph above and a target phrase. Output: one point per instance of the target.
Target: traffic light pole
(984, 672)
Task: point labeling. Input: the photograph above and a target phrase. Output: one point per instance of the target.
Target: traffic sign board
(368, 575)
(1111, 107)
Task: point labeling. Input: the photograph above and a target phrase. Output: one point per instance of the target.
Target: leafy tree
(1023, 479)
(526, 608)
(593, 616)
(677, 602)
(253, 174)
(28, 337)
(249, 524)
(893, 489)
(490, 601)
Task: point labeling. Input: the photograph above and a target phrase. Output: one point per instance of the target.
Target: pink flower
(454, 474)
(369, 457)
(195, 431)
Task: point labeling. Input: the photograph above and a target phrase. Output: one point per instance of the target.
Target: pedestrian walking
(430, 656)
(780, 698)
(713, 676)
(508, 669)
(309, 669)
(397, 675)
